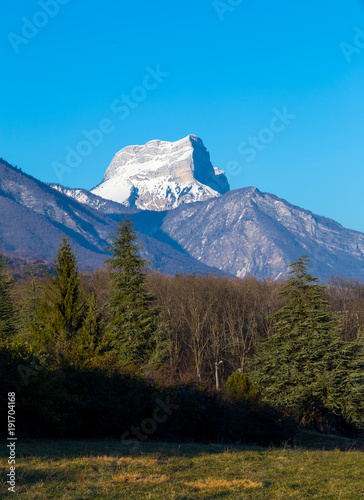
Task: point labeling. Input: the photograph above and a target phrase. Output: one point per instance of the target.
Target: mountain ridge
(237, 233)
(35, 216)
(274, 232)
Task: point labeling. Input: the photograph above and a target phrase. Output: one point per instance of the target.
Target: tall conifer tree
(297, 365)
(27, 306)
(135, 331)
(7, 317)
(89, 338)
(61, 311)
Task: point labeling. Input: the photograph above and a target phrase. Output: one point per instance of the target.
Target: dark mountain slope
(34, 216)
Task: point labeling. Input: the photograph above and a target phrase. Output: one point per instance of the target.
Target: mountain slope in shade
(34, 216)
(162, 175)
(249, 232)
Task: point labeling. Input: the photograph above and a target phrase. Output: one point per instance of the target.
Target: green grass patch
(107, 470)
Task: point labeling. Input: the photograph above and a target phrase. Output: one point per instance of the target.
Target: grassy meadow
(321, 467)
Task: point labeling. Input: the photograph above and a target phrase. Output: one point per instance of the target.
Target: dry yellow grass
(125, 461)
(211, 483)
(140, 478)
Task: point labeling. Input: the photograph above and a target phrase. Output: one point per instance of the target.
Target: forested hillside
(88, 355)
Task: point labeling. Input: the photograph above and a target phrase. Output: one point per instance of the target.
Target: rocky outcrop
(162, 175)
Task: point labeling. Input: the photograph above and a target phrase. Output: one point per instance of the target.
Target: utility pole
(217, 374)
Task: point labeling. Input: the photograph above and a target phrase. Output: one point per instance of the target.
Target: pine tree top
(126, 264)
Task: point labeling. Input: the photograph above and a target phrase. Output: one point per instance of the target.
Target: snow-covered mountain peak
(161, 175)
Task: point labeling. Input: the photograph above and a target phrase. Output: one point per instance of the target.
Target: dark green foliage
(65, 325)
(60, 313)
(29, 299)
(89, 338)
(297, 364)
(7, 318)
(83, 403)
(240, 387)
(205, 416)
(66, 293)
(135, 331)
(348, 398)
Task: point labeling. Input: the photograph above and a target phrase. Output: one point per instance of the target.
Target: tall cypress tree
(297, 365)
(88, 340)
(7, 317)
(28, 302)
(61, 311)
(135, 331)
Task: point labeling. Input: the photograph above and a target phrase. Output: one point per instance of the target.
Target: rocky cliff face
(162, 175)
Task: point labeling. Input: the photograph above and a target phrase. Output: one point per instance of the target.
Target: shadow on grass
(72, 449)
(63, 449)
(311, 440)
(33, 477)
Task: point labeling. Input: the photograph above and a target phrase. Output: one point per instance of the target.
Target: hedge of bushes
(104, 402)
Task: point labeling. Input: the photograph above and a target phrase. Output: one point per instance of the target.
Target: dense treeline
(240, 310)
(90, 354)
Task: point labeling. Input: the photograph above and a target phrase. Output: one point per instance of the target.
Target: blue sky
(221, 70)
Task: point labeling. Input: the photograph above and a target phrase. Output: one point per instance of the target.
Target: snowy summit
(162, 175)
